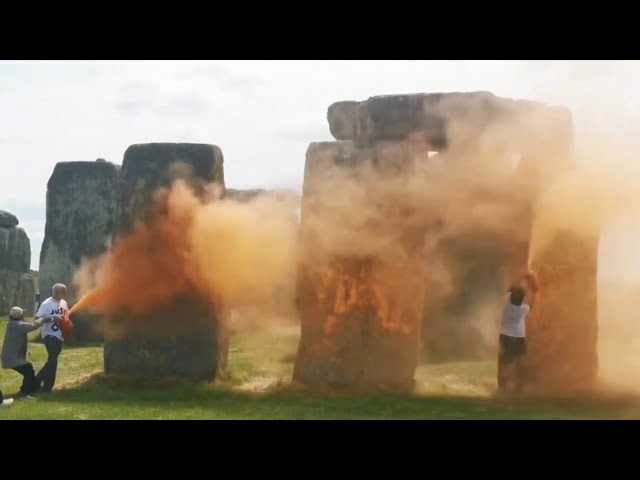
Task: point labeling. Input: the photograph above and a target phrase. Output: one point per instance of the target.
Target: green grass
(256, 387)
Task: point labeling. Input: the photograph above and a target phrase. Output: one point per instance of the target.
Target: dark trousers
(512, 349)
(29, 384)
(46, 377)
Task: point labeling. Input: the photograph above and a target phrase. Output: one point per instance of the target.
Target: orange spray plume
(218, 250)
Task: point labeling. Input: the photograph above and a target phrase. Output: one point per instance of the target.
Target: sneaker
(6, 402)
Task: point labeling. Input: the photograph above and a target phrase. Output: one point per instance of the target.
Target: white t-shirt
(49, 307)
(513, 318)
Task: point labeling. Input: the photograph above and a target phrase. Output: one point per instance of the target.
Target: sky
(263, 114)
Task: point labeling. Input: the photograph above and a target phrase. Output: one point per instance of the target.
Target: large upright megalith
(360, 306)
(15, 249)
(15, 260)
(190, 349)
(563, 339)
(81, 211)
(562, 336)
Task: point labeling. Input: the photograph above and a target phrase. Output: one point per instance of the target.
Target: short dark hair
(517, 295)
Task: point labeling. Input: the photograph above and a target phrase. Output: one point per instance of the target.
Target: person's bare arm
(46, 319)
(531, 300)
(534, 287)
(42, 320)
(532, 280)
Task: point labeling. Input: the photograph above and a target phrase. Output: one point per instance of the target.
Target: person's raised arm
(534, 287)
(532, 280)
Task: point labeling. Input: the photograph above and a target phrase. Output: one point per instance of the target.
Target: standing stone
(8, 287)
(437, 117)
(360, 312)
(15, 259)
(25, 294)
(15, 249)
(8, 219)
(81, 209)
(190, 350)
(343, 120)
(562, 335)
(147, 167)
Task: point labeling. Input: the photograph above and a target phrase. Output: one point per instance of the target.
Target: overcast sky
(263, 114)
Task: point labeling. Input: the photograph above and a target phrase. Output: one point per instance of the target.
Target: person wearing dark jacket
(14, 349)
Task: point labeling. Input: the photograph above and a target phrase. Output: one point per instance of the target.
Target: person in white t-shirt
(52, 311)
(513, 343)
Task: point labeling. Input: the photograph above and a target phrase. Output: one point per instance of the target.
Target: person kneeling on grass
(14, 349)
(513, 344)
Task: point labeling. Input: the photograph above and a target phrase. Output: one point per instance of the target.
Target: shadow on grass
(289, 401)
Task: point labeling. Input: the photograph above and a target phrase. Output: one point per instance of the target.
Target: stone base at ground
(181, 339)
(356, 329)
(193, 357)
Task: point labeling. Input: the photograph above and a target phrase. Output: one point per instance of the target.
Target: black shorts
(512, 347)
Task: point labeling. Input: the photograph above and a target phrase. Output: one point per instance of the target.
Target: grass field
(256, 387)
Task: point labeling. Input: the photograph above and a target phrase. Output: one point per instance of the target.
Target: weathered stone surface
(81, 210)
(8, 286)
(25, 294)
(148, 166)
(443, 119)
(170, 357)
(185, 344)
(360, 313)
(343, 120)
(191, 349)
(8, 219)
(15, 249)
